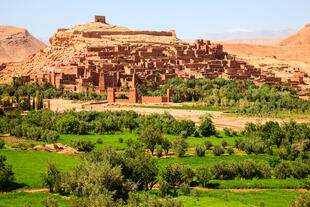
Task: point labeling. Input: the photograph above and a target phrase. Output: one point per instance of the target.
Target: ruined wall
(153, 99)
(97, 34)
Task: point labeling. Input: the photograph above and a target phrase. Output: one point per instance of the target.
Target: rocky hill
(17, 43)
(66, 44)
(92, 46)
(301, 38)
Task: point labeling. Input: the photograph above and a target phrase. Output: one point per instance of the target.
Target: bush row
(35, 133)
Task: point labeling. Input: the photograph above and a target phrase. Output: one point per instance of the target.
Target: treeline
(46, 125)
(291, 138)
(241, 94)
(30, 96)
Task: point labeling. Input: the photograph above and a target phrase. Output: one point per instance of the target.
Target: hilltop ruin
(100, 56)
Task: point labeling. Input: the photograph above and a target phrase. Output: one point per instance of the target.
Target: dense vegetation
(244, 95)
(261, 153)
(30, 96)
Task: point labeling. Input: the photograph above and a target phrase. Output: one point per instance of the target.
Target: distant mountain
(301, 38)
(17, 44)
(258, 41)
(251, 37)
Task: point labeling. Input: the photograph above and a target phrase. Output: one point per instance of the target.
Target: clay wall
(97, 34)
(153, 99)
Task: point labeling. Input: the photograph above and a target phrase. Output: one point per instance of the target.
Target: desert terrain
(16, 44)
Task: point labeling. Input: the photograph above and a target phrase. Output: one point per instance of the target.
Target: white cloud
(237, 30)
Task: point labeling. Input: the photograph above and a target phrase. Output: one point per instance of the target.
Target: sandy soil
(62, 149)
(33, 190)
(219, 118)
(13, 140)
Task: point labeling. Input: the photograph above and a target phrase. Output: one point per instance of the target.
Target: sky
(190, 18)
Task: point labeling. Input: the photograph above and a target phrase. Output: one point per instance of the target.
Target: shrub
(196, 133)
(34, 133)
(177, 174)
(52, 177)
(56, 147)
(264, 171)
(83, 127)
(166, 145)
(179, 147)
(49, 202)
(230, 151)
(306, 183)
(303, 200)
(258, 148)
(95, 178)
(273, 161)
(51, 136)
(6, 175)
(207, 128)
(234, 133)
(282, 170)
(17, 131)
(151, 137)
(252, 145)
(99, 141)
(224, 143)
(208, 144)
(159, 151)
(203, 176)
(300, 170)
(183, 134)
(68, 125)
(184, 188)
(82, 145)
(218, 150)
(2, 143)
(164, 188)
(227, 131)
(248, 169)
(237, 143)
(199, 150)
(120, 140)
(196, 194)
(225, 170)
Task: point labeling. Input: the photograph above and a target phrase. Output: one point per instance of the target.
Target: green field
(28, 165)
(111, 140)
(214, 198)
(206, 161)
(20, 199)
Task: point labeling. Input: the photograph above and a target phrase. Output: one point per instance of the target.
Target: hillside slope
(17, 43)
(301, 38)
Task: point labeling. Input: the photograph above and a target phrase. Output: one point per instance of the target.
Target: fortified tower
(100, 19)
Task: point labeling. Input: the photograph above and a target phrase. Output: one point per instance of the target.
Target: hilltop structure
(103, 57)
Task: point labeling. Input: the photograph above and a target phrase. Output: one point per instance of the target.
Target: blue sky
(190, 18)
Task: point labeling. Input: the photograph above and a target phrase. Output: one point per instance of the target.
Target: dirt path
(44, 190)
(13, 140)
(39, 190)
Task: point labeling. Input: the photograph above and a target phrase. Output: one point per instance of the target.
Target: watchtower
(100, 19)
